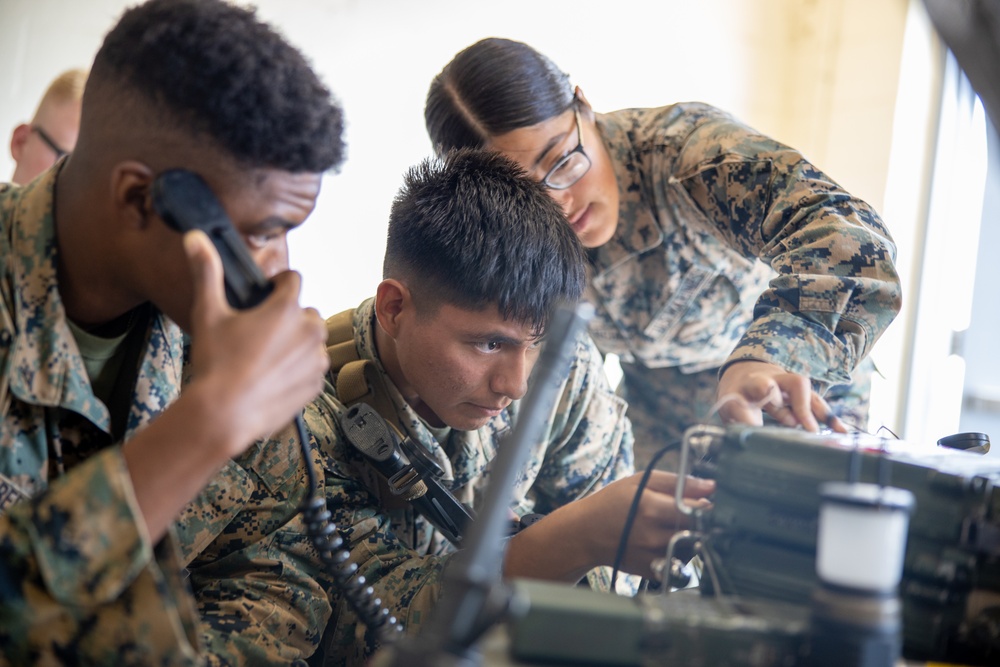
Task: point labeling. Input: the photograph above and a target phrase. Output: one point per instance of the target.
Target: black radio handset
(185, 202)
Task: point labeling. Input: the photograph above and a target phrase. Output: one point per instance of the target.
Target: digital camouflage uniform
(586, 446)
(75, 559)
(252, 569)
(710, 212)
(80, 580)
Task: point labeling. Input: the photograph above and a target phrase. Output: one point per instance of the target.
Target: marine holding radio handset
(185, 202)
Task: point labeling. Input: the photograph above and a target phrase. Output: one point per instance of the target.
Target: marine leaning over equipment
(722, 264)
(477, 255)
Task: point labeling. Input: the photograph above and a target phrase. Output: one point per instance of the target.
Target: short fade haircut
(472, 230)
(217, 70)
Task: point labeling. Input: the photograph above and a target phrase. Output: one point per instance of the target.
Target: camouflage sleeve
(82, 582)
(590, 438)
(837, 288)
(256, 577)
(407, 583)
(590, 446)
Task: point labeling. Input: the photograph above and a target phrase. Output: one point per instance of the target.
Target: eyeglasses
(572, 166)
(48, 141)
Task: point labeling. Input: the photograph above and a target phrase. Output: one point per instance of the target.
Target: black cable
(634, 509)
(883, 427)
(326, 538)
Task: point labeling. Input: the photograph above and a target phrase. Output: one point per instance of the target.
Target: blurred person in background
(51, 134)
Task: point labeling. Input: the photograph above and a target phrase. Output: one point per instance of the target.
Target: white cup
(862, 535)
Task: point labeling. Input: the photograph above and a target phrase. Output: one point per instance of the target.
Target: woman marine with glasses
(723, 265)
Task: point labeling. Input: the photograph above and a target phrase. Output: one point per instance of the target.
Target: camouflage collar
(638, 230)
(45, 366)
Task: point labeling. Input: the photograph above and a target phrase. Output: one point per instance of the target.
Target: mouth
(579, 221)
(488, 410)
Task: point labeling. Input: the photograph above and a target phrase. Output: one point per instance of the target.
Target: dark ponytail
(490, 88)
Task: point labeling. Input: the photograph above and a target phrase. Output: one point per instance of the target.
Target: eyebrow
(552, 143)
(503, 338)
(270, 223)
(497, 337)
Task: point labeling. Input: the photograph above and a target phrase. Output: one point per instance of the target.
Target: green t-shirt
(102, 357)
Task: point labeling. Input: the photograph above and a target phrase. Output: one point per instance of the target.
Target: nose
(510, 376)
(564, 198)
(273, 259)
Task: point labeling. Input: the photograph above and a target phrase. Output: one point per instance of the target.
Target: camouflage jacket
(80, 580)
(587, 445)
(710, 211)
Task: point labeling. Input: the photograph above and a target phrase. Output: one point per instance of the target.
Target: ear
(131, 182)
(17, 140)
(584, 104)
(393, 303)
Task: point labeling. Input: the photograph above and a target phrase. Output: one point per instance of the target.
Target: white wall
(820, 75)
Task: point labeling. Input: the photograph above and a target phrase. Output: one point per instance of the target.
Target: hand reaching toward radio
(585, 534)
(749, 388)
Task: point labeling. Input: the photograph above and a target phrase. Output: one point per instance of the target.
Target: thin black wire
(883, 427)
(633, 510)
